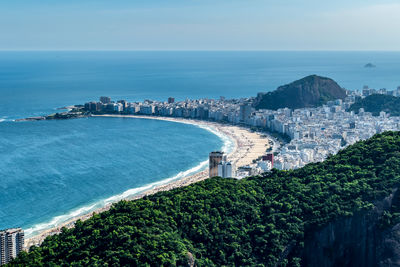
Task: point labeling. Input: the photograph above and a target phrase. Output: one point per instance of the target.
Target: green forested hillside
(377, 103)
(219, 222)
(310, 91)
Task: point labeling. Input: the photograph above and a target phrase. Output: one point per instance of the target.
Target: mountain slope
(377, 103)
(311, 91)
(257, 221)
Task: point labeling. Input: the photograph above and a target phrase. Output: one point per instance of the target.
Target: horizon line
(192, 50)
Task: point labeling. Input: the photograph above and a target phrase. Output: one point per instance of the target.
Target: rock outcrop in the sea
(311, 91)
(369, 65)
(360, 240)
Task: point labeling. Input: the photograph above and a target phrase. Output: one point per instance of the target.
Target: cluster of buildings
(314, 133)
(105, 105)
(366, 91)
(233, 111)
(263, 164)
(11, 244)
(219, 166)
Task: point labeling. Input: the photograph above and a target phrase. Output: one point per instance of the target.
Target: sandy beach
(247, 146)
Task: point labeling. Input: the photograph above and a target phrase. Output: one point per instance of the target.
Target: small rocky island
(369, 65)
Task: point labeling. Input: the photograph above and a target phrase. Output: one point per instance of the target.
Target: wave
(57, 221)
(228, 146)
(4, 118)
(62, 219)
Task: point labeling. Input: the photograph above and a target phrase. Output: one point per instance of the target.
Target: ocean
(52, 170)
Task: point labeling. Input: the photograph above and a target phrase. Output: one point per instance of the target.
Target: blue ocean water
(51, 169)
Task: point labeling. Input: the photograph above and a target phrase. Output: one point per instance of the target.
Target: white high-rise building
(225, 169)
(11, 244)
(264, 165)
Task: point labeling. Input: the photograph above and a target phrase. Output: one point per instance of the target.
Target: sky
(199, 25)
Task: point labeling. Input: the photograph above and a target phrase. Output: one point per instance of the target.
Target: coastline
(247, 146)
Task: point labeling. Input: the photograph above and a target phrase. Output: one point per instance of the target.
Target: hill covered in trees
(258, 221)
(376, 103)
(311, 91)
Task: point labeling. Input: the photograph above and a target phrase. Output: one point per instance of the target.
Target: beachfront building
(214, 159)
(264, 165)
(105, 99)
(11, 244)
(269, 157)
(147, 109)
(245, 111)
(225, 169)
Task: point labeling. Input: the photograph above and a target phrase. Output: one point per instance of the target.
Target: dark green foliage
(377, 103)
(258, 221)
(311, 91)
(391, 217)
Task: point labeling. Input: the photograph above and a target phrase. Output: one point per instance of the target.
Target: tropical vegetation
(376, 103)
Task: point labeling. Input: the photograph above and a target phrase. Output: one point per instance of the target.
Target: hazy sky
(200, 25)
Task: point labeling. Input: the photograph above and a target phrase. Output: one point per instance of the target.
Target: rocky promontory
(311, 91)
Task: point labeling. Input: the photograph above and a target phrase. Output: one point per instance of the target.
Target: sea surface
(52, 170)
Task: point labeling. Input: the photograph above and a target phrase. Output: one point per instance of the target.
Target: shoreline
(247, 146)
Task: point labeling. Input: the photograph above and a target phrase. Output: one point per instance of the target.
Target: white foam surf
(62, 219)
(4, 118)
(228, 145)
